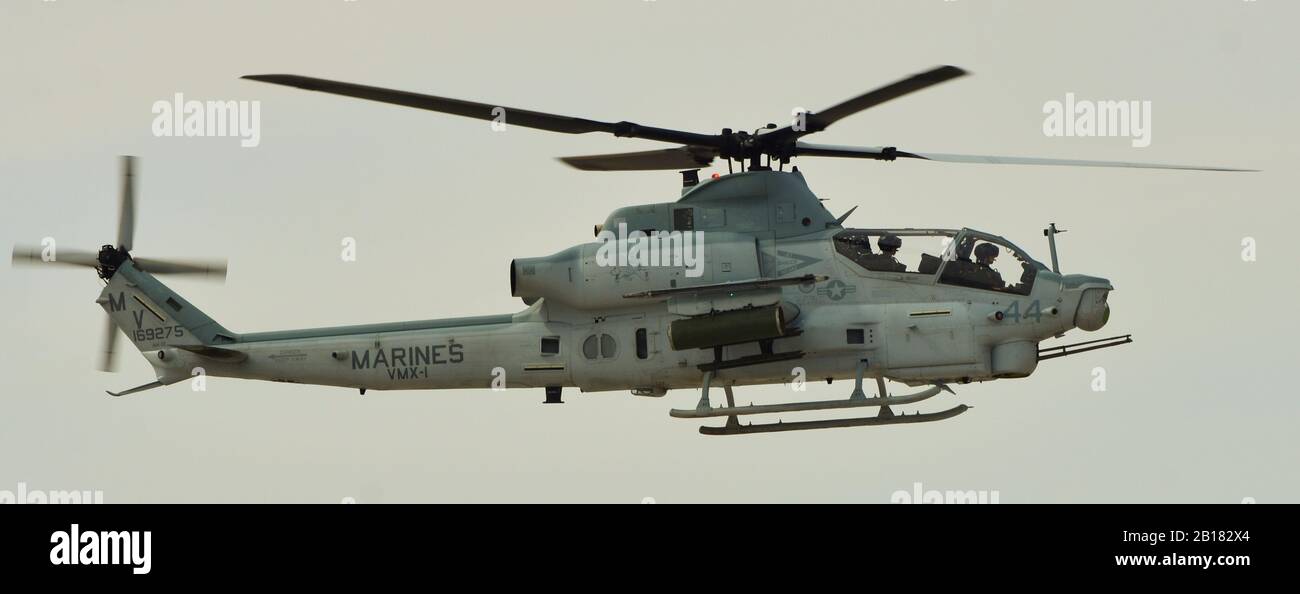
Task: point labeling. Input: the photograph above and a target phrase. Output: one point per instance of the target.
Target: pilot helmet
(985, 251)
(889, 243)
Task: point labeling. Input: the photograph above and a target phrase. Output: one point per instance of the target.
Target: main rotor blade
(990, 159)
(682, 157)
(818, 121)
(487, 111)
(889, 154)
(911, 84)
(108, 350)
(32, 255)
(203, 267)
(126, 210)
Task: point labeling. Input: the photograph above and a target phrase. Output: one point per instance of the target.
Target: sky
(1200, 408)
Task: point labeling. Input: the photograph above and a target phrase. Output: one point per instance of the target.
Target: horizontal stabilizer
(215, 353)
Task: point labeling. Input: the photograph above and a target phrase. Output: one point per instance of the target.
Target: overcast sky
(1200, 408)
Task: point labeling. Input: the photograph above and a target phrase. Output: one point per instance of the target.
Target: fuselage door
(929, 335)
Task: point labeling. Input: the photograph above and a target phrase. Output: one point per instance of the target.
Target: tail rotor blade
(106, 353)
(215, 268)
(126, 212)
(32, 255)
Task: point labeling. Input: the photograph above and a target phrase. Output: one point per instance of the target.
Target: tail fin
(153, 316)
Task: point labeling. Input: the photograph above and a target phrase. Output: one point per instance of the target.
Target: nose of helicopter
(1092, 311)
(1091, 314)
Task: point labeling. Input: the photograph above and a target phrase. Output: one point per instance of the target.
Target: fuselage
(599, 325)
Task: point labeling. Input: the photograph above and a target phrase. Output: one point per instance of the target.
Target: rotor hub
(110, 259)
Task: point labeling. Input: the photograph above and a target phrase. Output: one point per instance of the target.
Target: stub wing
(729, 287)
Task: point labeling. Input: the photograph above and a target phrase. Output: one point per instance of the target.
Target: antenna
(1051, 232)
(690, 179)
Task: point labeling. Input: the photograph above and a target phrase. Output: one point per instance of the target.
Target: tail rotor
(109, 257)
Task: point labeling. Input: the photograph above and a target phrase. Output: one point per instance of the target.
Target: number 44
(1033, 311)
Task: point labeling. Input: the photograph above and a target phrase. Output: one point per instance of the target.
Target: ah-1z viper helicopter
(733, 283)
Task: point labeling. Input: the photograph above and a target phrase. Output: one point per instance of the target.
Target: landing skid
(857, 399)
(758, 409)
(733, 426)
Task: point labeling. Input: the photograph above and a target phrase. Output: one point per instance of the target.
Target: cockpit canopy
(965, 258)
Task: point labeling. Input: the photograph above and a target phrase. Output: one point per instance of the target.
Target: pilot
(964, 248)
(960, 270)
(888, 260)
(863, 244)
(1026, 279)
(985, 254)
(859, 246)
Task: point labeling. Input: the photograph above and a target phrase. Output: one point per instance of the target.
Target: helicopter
(744, 279)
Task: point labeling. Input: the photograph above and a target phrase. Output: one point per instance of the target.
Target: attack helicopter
(743, 279)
